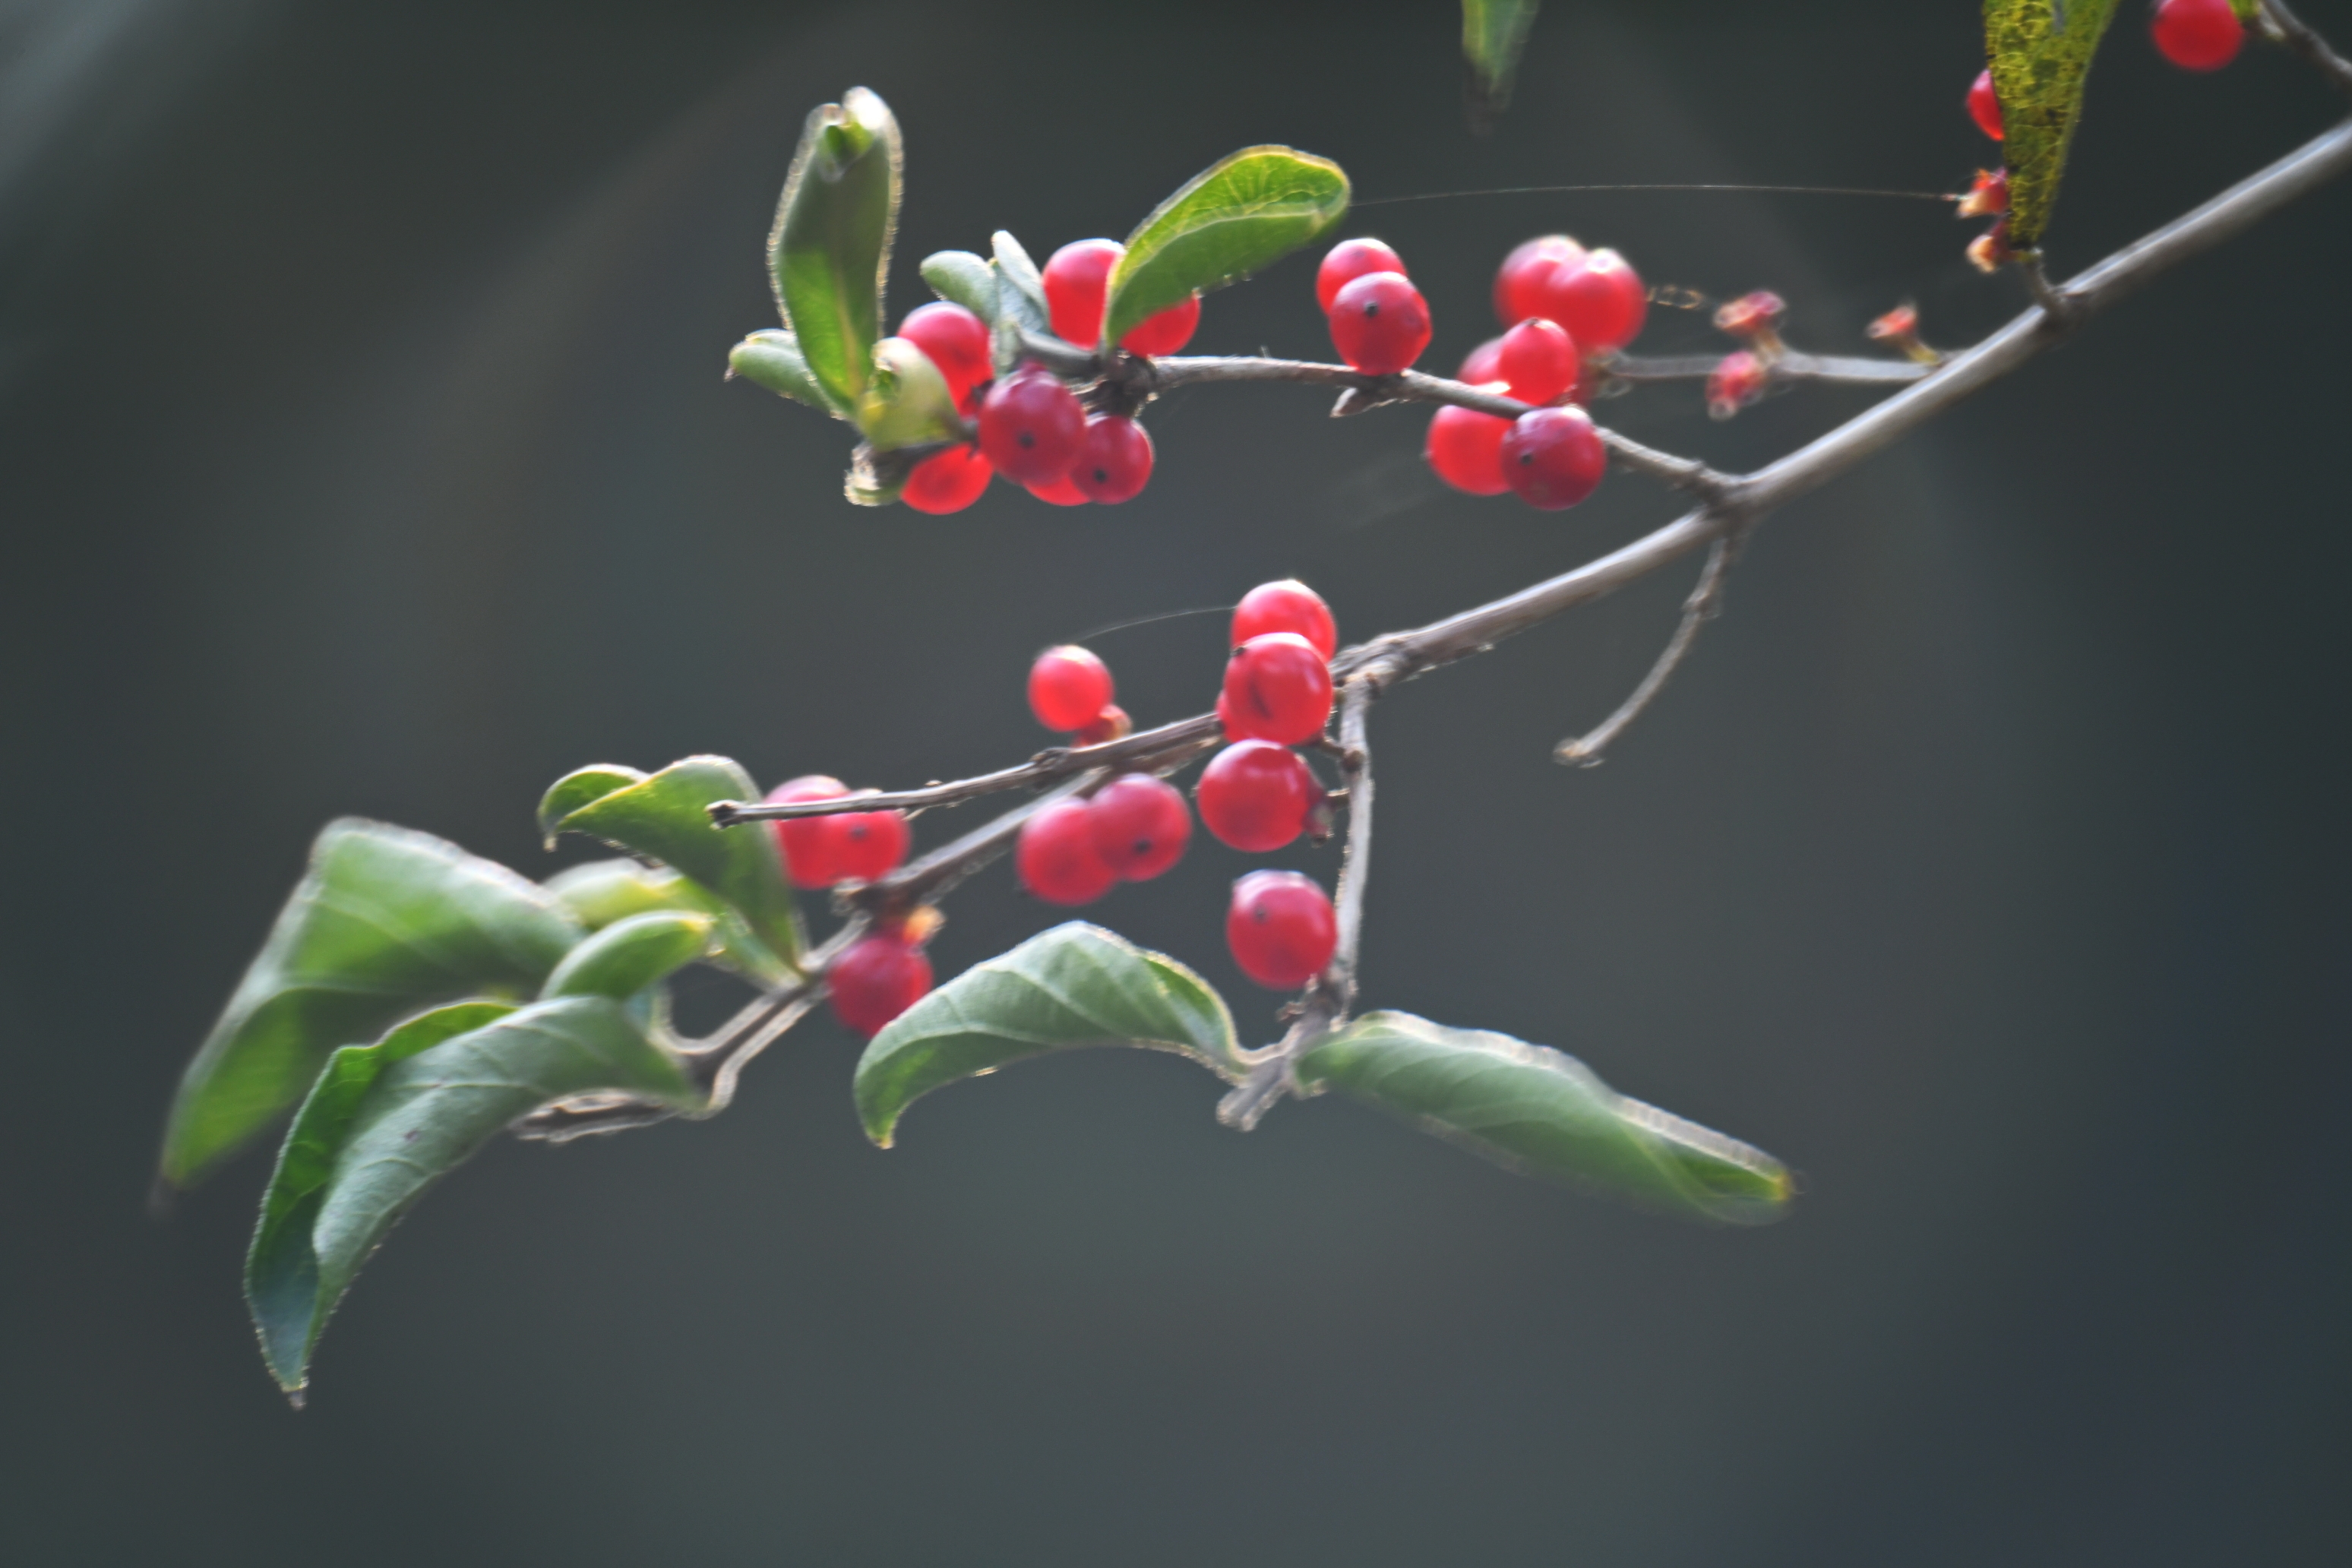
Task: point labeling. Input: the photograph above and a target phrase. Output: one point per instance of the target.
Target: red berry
(1552, 458)
(1057, 857)
(1537, 358)
(1601, 300)
(947, 481)
(1483, 366)
(1031, 425)
(955, 341)
(1062, 491)
(1115, 461)
(1379, 323)
(1111, 725)
(1076, 278)
(1737, 381)
(1466, 448)
(806, 843)
(1164, 331)
(1519, 282)
(1281, 928)
(1142, 826)
(1984, 104)
(867, 845)
(1225, 716)
(1255, 795)
(2197, 35)
(1289, 606)
(1068, 688)
(875, 979)
(1277, 687)
(1348, 260)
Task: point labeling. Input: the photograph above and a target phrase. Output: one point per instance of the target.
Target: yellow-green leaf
(1242, 213)
(2041, 55)
(1493, 34)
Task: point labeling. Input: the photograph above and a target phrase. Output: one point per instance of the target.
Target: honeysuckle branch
(2291, 31)
(1705, 602)
(1846, 370)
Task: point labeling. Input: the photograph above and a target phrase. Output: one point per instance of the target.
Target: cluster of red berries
(1257, 795)
(1562, 307)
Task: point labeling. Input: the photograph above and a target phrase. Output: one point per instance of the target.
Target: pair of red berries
(1380, 322)
(1277, 684)
(841, 846)
(1131, 830)
(1549, 457)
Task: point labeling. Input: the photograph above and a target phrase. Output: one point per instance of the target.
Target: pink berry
(1255, 795)
(1289, 606)
(1277, 687)
(867, 845)
(1111, 725)
(1537, 360)
(1380, 322)
(947, 481)
(1465, 449)
(1076, 278)
(1115, 462)
(806, 843)
(1061, 492)
(875, 979)
(1348, 260)
(1519, 282)
(2197, 35)
(1281, 928)
(1164, 331)
(1483, 366)
(1984, 104)
(1031, 427)
(1068, 688)
(1142, 826)
(1553, 458)
(955, 341)
(1601, 300)
(1057, 858)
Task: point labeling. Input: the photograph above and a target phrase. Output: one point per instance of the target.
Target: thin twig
(1836, 369)
(1705, 600)
(2292, 31)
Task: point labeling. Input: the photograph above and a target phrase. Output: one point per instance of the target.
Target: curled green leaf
(1534, 1109)
(772, 358)
(829, 253)
(909, 402)
(385, 921)
(2041, 56)
(962, 278)
(1242, 213)
(630, 954)
(1077, 984)
(603, 891)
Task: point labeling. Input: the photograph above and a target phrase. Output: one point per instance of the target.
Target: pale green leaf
(908, 403)
(2041, 55)
(962, 278)
(1242, 213)
(630, 954)
(772, 358)
(603, 891)
(829, 253)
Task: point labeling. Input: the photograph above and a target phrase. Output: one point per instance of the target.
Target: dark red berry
(1984, 104)
(1225, 716)
(1057, 857)
(806, 843)
(1255, 795)
(1483, 366)
(1076, 278)
(1115, 461)
(1164, 331)
(947, 481)
(1281, 928)
(1068, 688)
(1601, 300)
(1379, 323)
(1142, 826)
(875, 979)
(1519, 282)
(1111, 725)
(955, 341)
(1289, 606)
(1552, 458)
(1277, 687)
(1348, 260)
(1465, 449)
(1062, 491)
(2197, 35)
(1031, 425)
(1536, 359)
(867, 845)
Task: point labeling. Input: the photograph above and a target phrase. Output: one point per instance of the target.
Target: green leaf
(1077, 984)
(385, 921)
(829, 253)
(2041, 54)
(665, 816)
(1534, 1109)
(629, 955)
(909, 402)
(1494, 35)
(772, 358)
(1242, 213)
(1019, 286)
(603, 891)
(388, 1119)
(962, 278)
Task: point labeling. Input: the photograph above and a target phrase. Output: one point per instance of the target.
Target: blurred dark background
(363, 448)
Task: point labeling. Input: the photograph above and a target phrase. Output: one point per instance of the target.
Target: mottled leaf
(1077, 984)
(2041, 53)
(665, 816)
(1494, 35)
(603, 891)
(1242, 213)
(630, 954)
(388, 1119)
(385, 921)
(1534, 1109)
(829, 253)
(772, 358)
